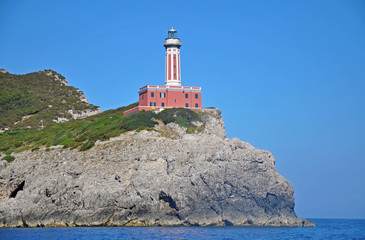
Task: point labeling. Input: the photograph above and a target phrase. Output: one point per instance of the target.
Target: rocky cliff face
(148, 178)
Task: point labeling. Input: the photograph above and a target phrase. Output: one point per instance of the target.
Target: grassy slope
(83, 133)
(39, 95)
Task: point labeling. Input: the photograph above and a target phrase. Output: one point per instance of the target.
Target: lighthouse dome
(172, 33)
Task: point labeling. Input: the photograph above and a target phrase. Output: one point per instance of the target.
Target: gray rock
(3, 163)
(142, 179)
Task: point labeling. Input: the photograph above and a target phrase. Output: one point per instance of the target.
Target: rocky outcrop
(83, 114)
(56, 77)
(82, 96)
(143, 178)
(77, 114)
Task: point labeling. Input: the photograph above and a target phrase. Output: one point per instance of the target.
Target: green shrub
(4, 148)
(140, 119)
(192, 130)
(87, 146)
(140, 128)
(182, 116)
(18, 144)
(35, 149)
(8, 152)
(9, 158)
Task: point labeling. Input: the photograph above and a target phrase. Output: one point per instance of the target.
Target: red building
(172, 94)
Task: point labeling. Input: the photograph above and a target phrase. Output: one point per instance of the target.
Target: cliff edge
(147, 178)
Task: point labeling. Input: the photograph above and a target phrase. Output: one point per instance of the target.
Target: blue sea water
(325, 229)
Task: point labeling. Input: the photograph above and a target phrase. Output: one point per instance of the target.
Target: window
(186, 95)
(152, 104)
(152, 94)
(186, 104)
(196, 96)
(175, 100)
(196, 105)
(142, 96)
(175, 66)
(162, 104)
(162, 95)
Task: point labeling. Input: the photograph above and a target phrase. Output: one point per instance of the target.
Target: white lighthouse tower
(172, 68)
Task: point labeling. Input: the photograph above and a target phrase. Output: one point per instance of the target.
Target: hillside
(35, 100)
(83, 133)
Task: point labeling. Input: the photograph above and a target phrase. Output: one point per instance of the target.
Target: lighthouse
(172, 94)
(172, 59)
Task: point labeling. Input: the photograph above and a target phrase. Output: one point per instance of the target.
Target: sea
(325, 229)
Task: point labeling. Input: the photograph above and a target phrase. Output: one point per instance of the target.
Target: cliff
(160, 177)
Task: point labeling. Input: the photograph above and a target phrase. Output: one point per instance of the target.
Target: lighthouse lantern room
(172, 94)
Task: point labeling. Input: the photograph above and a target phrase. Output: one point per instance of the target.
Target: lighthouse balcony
(168, 88)
(172, 43)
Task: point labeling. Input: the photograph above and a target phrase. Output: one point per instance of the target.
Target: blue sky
(289, 76)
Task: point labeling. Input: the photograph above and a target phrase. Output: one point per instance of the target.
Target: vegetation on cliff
(83, 133)
(34, 100)
(183, 117)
